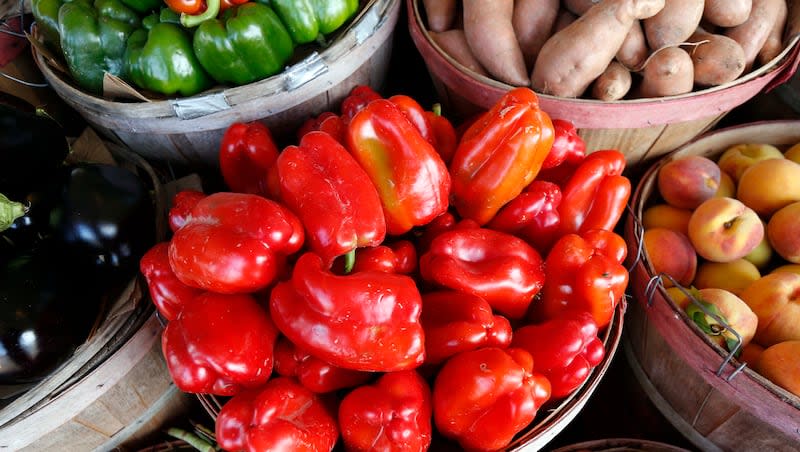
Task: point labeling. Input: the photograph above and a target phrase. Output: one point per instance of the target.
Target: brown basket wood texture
(188, 131)
(710, 397)
(642, 129)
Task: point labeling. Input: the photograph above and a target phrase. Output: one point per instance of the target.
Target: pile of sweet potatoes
(612, 49)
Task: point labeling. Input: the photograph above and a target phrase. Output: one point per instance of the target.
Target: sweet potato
(774, 43)
(613, 84)
(753, 33)
(727, 13)
(578, 7)
(634, 48)
(533, 23)
(718, 61)
(440, 13)
(490, 35)
(667, 72)
(564, 18)
(455, 44)
(573, 57)
(673, 24)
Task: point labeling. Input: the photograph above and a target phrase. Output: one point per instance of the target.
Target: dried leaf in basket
(89, 147)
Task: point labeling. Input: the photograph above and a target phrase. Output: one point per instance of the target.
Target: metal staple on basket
(655, 282)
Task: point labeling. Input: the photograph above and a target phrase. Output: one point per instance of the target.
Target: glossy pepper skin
(444, 133)
(500, 154)
(483, 397)
(393, 414)
(160, 59)
(220, 344)
(246, 154)
(411, 178)
(248, 43)
(307, 20)
(498, 267)
(358, 98)
(596, 194)
(316, 375)
(532, 216)
(565, 349)
(234, 243)
(455, 322)
(399, 256)
(168, 293)
(328, 122)
(568, 147)
(182, 204)
(143, 6)
(350, 320)
(584, 272)
(332, 195)
(281, 415)
(93, 39)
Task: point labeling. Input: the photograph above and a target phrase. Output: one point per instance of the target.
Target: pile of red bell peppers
(391, 280)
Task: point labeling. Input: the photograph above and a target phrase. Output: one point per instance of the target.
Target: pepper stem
(191, 439)
(349, 261)
(437, 109)
(212, 9)
(10, 211)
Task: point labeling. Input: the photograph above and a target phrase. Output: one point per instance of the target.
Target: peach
(793, 153)
(678, 297)
(688, 181)
(768, 185)
(783, 232)
(761, 255)
(780, 364)
(732, 310)
(738, 158)
(727, 187)
(732, 276)
(750, 353)
(775, 298)
(670, 253)
(666, 216)
(791, 268)
(724, 229)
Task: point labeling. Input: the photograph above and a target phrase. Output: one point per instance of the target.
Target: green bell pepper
(93, 39)
(249, 43)
(306, 20)
(46, 14)
(159, 58)
(143, 6)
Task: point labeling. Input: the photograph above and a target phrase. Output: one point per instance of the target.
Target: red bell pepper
(394, 414)
(282, 415)
(483, 397)
(567, 147)
(565, 349)
(584, 272)
(416, 115)
(358, 98)
(219, 344)
(532, 216)
(246, 154)
(327, 122)
(334, 198)
(234, 243)
(397, 257)
(168, 293)
(313, 373)
(500, 154)
(444, 133)
(182, 204)
(411, 178)
(498, 267)
(455, 322)
(596, 195)
(363, 321)
(444, 222)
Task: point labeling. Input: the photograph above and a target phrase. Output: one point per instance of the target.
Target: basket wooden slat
(704, 392)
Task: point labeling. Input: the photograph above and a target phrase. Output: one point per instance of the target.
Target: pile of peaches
(725, 237)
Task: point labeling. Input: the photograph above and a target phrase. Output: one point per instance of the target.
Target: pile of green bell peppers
(146, 44)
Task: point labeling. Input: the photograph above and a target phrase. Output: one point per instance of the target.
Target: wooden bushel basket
(710, 397)
(115, 388)
(640, 128)
(188, 131)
